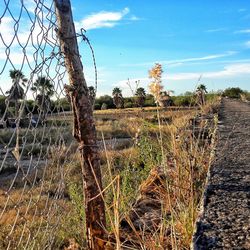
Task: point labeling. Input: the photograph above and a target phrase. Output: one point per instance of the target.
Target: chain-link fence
(36, 142)
(51, 194)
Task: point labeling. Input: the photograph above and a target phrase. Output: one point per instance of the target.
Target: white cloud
(215, 30)
(27, 35)
(124, 83)
(134, 18)
(203, 58)
(30, 5)
(242, 10)
(246, 17)
(182, 76)
(126, 90)
(7, 31)
(228, 71)
(103, 19)
(245, 31)
(175, 64)
(179, 62)
(183, 80)
(22, 45)
(247, 44)
(16, 56)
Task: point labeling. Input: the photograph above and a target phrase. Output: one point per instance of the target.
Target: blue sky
(189, 38)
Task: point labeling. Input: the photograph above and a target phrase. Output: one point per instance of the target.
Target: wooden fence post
(84, 128)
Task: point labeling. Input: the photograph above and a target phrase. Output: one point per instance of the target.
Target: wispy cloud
(178, 62)
(176, 80)
(30, 5)
(233, 70)
(215, 30)
(16, 56)
(28, 31)
(8, 34)
(103, 19)
(126, 90)
(242, 10)
(247, 44)
(245, 31)
(134, 18)
(203, 58)
(18, 44)
(228, 71)
(246, 17)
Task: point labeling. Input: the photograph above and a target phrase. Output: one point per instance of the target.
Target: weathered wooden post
(84, 128)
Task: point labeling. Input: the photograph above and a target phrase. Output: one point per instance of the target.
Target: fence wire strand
(36, 142)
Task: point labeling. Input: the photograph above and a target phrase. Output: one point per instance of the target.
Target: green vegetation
(107, 100)
(236, 93)
(233, 92)
(44, 90)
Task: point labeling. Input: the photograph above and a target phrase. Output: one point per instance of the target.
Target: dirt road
(225, 221)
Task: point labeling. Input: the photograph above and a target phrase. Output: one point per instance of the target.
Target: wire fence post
(84, 127)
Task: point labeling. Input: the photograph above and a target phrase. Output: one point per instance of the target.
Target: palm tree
(140, 96)
(15, 94)
(164, 99)
(117, 97)
(201, 90)
(44, 90)
(16, 91)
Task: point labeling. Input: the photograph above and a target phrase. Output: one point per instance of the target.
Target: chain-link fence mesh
(36, 142)
(41, 191)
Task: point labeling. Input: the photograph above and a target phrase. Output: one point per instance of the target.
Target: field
(153, 156)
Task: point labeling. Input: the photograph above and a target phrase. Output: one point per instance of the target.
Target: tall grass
(168, 151)
(184, 152)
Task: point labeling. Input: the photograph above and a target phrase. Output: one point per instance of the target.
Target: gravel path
(225, 221)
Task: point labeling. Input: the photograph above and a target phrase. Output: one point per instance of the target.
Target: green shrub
(108, 100)
(97, 106)
(149, 101)
(104, 106)
(183, 100)
(61, 105)
(233, 92)
(31, 107)
(128, 105)
(211, 96)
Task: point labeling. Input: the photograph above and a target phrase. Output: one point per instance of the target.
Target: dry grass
(47, 204)
(187, 154)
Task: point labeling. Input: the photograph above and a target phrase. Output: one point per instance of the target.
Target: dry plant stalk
(84, 127)
(155, 86)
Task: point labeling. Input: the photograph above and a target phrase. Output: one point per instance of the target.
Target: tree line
(42, 88)
(43, 102)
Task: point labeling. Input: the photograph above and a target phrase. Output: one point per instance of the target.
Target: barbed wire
(36, 141)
